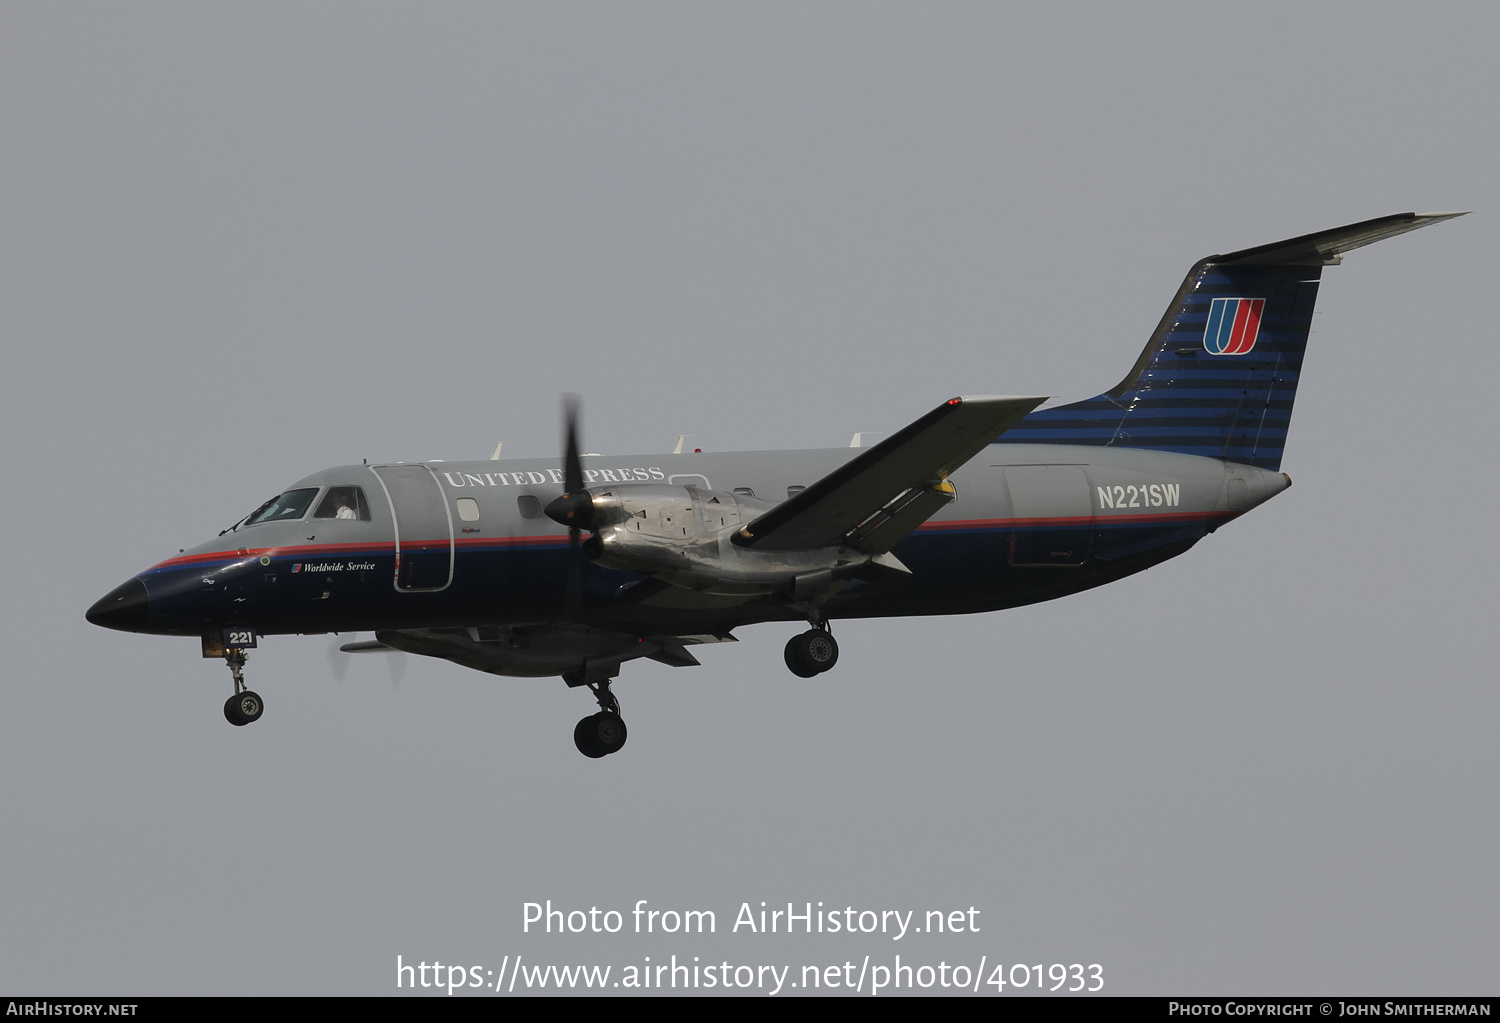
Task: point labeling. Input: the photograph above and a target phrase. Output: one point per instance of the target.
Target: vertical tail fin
(1219, 375)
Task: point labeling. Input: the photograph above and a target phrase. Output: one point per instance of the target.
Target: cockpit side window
(289, 506)
(343, 503)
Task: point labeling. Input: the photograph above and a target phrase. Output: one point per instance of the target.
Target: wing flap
(892, 482)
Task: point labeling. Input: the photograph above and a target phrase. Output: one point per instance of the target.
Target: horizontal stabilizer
(917, 458)
(1326, 248)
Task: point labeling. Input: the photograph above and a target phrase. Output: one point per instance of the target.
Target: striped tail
(1219, 375)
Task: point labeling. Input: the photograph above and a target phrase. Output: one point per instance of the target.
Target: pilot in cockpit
(341, 503)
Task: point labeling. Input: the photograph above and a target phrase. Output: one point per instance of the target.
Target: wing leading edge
(876, 498)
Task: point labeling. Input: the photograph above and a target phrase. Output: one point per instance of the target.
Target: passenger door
(424, 527)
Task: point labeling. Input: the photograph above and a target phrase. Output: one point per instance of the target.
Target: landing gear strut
(812, 652)
(601, 734)
(244, 706)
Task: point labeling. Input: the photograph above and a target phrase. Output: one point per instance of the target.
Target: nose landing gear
(244, 706)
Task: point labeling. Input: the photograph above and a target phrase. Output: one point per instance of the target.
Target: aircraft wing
(875, 499)
(541, 650)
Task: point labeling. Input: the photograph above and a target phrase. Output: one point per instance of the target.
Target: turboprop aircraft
(981, 504)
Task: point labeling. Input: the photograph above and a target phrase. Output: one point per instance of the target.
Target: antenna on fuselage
(680, 438)
(496, 456)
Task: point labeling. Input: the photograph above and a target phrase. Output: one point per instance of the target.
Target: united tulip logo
(1233, 324)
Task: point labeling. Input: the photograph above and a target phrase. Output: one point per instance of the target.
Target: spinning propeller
(575, 508)
(344, 645)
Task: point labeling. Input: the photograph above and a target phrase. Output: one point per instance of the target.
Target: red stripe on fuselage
(326, 550)
(511, 541)
(1072, 520)
(310, 550)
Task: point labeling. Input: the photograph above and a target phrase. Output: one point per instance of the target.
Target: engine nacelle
(681, 535)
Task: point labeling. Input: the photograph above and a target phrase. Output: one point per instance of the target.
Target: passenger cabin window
(531, 508)
(287, 507)
(343, 503)
(468, 509)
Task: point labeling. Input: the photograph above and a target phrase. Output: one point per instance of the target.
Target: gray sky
(242, 243)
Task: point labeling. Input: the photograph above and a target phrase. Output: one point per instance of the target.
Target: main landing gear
(601, 734)
(812, 652)
(244, 706)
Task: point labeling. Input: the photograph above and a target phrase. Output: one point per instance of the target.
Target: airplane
(981, 504)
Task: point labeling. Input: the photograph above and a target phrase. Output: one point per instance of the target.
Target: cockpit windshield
(289, 506)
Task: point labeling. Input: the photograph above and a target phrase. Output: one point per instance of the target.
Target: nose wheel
(244, 706)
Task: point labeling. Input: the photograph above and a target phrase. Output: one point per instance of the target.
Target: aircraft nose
(125, 607)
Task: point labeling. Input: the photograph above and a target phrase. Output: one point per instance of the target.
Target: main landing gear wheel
(243, 708)
(599, 735)
(811, 653)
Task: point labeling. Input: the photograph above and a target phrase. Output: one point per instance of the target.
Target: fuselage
(465, 544)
